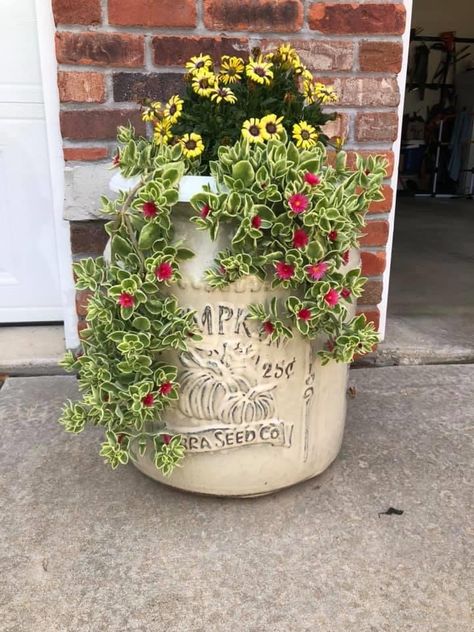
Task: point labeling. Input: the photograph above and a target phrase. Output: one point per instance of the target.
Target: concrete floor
(86, 549)
(431, 299)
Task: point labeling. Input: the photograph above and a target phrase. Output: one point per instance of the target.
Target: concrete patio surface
(86, 549)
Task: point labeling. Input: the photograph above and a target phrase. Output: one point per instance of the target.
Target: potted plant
(221, 323)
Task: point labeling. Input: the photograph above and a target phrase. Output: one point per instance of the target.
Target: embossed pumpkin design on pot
(256, 404)
(205, 384)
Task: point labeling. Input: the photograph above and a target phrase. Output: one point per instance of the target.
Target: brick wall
(112, 52)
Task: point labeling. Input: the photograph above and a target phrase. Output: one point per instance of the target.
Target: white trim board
(46, 35)
(401, 79)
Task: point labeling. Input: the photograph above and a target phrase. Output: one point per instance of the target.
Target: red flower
(165, 388)
(304, 314)
(120, 438)
(164, 271)
(332, 235)
(330, 345)
(205, 210)
(300, 238)
(222, 270)
(149, 209)
(284, 271)
(298, 203)
(148, 400)
(316, 271)
(268, 327)
(256, 221)
(345, 292)
(332, 297)
(116, 160)
(126, 300)
(166, 438)
(311, 178)
(345, 257)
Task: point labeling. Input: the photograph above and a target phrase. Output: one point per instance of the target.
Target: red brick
(375, 233)
(339, 127)
(167, 13)
(81, 325)
(372, 294)
(380, 56)
(373, 263)
(371, 313)
(88, 238)
(133, 86)
(365, 153)
(284, 16)
(85, 153)
(376, 126)
(350, 19)
(320, 54)
(385, 205)
(100, 49)
(170, 50)
(81, 87)
(365, 91)
(82, 298)
(76, 11)
(97, 124)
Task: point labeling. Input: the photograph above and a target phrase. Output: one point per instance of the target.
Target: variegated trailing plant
(292, 219)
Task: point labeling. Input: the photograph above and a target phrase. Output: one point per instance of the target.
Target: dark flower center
(203, 83)
(172, 109)
(271, 128)
(254, 130)
(305, 134)
(190, 144)
(258, 70)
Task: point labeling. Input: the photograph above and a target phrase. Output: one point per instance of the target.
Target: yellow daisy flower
(199, 62)
(174, 108)
(325, 94)
(162, 133)
(286, 52)
(203, 82)
(259, 71)
(305, 135)
(192, 145)
(232, 69)
(252, 130)
(272, 126)
(307, 75)
(222, 93)
(150, 111)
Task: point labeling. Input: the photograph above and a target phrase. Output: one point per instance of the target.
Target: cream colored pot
(255, 417)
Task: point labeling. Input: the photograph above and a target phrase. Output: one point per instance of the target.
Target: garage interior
(431, 296)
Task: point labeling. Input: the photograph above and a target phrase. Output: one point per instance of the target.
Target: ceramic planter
(255, 417)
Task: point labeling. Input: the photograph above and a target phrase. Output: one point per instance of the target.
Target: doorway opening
(430, 315)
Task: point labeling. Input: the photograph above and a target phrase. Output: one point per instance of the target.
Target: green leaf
(142, 323)
(148, 235)
(244, 171)
(120, 247)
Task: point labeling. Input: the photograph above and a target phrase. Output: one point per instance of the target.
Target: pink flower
(165, 388)
(304, 314)
(284, 271)
(345, 292)
(300, 238)
(332, 235)
(205, 210)
(330, 345)
(164, 271)
(148, 400)
(311, 178)
(316, 271)
(149, 209)
(116, 160)
(256, 221)
(298, 203)
(345, 257)
(268, 327)
(332, 297)
(126, 300)
(166, 438)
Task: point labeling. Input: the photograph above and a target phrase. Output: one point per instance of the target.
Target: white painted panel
(29, 271)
